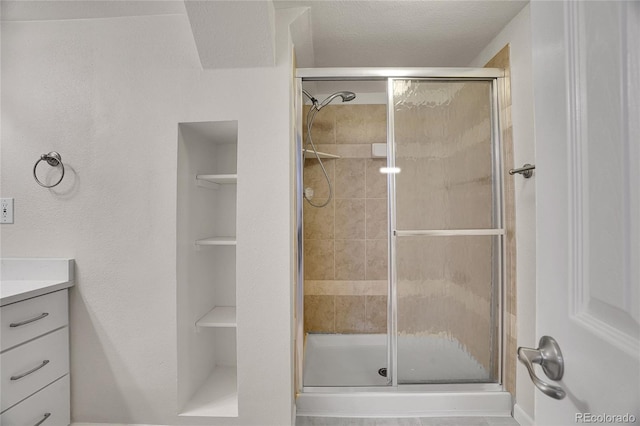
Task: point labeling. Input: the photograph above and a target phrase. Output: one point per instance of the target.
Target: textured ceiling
(349, 33)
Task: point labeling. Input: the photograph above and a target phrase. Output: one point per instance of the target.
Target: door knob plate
(553, 365)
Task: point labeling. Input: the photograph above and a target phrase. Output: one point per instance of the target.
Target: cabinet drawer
(32, 318)
(39, 362)
(52, 400)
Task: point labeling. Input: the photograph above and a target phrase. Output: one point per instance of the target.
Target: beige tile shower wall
(346, 242)
(445, 181)
(444, 283)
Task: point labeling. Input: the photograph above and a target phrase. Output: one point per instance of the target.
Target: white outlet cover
(6, 210)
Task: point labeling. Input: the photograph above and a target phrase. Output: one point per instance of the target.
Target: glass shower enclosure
(444, 237)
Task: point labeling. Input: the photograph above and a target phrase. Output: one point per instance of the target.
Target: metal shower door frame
(498, 230)
(493, 75)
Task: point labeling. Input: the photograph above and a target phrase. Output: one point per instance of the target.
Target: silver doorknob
(549, 356)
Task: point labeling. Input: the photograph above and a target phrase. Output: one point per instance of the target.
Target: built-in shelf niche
(207, 196)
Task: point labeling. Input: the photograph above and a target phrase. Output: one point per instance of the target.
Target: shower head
(346, 97)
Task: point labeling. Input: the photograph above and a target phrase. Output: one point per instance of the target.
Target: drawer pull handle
(18, 324)
(46, 416)
(33, 370)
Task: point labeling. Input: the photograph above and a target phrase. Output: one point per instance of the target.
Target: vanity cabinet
(34, 352)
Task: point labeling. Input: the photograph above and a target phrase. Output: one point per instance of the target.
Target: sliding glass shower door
(427, 310)
(446, 230)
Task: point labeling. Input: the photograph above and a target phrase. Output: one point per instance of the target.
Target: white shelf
(220, 316)
(217, 397)
(308, 153)
(214, 181)
(229, 179)
(217, 241)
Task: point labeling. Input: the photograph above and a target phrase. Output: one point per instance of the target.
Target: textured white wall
(108, 94)
(518, 34)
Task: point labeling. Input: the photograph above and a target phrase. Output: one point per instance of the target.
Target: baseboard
(522, 417)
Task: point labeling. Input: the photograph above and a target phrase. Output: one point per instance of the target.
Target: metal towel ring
(54, 160)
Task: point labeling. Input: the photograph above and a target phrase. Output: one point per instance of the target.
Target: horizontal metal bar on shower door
(409, 387)
(448, 233)
(384, 73)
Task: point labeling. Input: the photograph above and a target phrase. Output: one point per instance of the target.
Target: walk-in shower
(401, 271)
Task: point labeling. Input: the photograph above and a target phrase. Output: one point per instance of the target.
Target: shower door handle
(549, 356)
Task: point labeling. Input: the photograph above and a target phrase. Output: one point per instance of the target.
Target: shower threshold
(401, 403)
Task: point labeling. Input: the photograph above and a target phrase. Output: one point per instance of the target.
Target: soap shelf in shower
(219, 316)
(308, 153)
(217, 241)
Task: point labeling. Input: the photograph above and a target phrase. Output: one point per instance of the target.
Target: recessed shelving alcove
(206, 248)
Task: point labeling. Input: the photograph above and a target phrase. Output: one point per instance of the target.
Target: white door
(587, 114)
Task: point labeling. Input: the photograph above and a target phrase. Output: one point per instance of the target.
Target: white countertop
(12, 291)
(22, 278)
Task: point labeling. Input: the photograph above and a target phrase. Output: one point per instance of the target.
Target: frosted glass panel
(442, 134)
(447, 286)
(445, 309)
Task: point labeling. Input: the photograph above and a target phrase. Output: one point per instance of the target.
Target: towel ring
(54, 160)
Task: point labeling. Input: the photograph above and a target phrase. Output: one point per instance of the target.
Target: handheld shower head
(345, 95)
(311, 114)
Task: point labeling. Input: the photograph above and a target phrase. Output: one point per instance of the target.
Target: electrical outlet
(6, 210)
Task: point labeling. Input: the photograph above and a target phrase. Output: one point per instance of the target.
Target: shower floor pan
(354, 360)
(341, 378)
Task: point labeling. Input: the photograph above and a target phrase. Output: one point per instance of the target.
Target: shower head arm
(328, 100)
